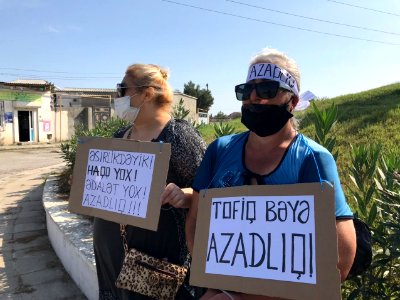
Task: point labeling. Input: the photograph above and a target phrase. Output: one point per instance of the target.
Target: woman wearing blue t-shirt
(271, 152)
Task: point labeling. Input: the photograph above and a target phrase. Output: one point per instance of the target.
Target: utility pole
(60, 105)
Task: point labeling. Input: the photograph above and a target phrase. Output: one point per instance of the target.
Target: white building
(35, 111)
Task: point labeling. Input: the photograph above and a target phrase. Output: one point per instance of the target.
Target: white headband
(273, 72)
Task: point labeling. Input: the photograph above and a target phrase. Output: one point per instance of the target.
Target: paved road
(29, 268)
(15, 161)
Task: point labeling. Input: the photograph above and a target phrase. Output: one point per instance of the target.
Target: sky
(341, 47)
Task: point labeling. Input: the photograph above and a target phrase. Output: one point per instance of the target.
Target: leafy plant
(324, 121)
(379, 202)
(362, 172)
(375, 186)
(179, 111)
(222, 129)
(387, 229)
(197, 125)
(68, 149)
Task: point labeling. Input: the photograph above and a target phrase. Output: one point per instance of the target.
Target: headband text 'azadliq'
(273, 72)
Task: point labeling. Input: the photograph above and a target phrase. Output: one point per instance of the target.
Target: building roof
(37, 85)
(179, 93)
(30, 82)
(85, 90)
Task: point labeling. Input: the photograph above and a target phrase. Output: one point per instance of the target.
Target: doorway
(25, 126)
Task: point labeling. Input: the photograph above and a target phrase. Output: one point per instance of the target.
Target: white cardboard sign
(120, 180)
(271, 240)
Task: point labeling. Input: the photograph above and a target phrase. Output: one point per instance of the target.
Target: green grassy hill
(364, 118)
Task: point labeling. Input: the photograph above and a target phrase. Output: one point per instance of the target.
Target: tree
(235, 115)
(220, 115)
(204, 97)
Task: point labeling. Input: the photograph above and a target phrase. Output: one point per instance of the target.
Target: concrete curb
(72, 240)
(29, 146)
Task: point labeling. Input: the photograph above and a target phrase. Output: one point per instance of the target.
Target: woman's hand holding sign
(176, 197)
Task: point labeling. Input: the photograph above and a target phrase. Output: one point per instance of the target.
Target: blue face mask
(265, 119)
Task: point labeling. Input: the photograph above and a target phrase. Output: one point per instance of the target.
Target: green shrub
(375, 187)
(222, 129)
(324, 121)
(68, 149)
(179, 111)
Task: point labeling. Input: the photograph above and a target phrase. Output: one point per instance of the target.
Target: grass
(208, 132)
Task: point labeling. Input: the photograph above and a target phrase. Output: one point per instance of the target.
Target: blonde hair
(273, 56)
(143, 76)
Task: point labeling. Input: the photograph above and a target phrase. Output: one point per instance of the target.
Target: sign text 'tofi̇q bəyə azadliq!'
(268, 237)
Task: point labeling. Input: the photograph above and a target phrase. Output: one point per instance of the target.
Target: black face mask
(264, 119)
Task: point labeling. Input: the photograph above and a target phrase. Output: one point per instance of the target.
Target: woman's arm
(347, 246)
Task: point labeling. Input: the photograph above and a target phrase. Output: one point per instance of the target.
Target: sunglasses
(122, 87)
(264, 90)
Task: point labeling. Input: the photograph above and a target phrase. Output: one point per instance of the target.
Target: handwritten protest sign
(268, 240)
(120, 180)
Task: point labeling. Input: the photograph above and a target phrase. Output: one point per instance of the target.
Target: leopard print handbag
(150, 276)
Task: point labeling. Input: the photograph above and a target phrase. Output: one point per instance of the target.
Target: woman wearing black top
(149, 114)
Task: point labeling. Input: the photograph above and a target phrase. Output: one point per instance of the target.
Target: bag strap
(122, 229)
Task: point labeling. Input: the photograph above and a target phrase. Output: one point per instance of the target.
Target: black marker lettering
(86, 200)
(222, 260)
(282, 211)
(242, 251)
(269, 254)
(269, 70)
(294, 210)
(270, 214)
(303, 237)
(227, 210)
(283, 252)
(311, 254)
(216, 203)
(253, 72)
(304, 214)
(235, 210)
(261, 260)
(121, 206)
(249, 217)
(260, 70)
(213, 246)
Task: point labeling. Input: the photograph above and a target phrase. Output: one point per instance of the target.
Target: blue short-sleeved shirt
(304, 161)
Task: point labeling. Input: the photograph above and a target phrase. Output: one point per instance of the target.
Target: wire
(314, 19)
(33, 76)
(366, 8)
(278, 24)
(41, 71)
